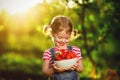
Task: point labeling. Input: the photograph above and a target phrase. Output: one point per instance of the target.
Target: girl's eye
(60, 37)
(67, 38)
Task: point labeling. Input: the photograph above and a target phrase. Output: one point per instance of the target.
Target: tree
(97, 19)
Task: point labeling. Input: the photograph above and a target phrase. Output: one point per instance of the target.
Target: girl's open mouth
(61, 43)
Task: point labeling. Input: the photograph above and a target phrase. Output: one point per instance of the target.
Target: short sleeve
(46, 55)
(77, 51)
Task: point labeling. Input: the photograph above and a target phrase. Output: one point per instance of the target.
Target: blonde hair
(59, 23)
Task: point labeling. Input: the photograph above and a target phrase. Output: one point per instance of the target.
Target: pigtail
(74, 34)
(47, 30)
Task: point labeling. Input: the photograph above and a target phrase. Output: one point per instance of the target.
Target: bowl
(66, 64)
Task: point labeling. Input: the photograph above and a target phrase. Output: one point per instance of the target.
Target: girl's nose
(64, 41)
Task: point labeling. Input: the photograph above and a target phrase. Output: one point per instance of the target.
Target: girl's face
(61, 39)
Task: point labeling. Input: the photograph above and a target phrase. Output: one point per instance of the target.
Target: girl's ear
(52, 35)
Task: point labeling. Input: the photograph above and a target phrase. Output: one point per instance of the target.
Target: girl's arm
(79, 67)
(45, 68)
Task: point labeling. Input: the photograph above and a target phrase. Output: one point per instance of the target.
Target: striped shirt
(47, 54)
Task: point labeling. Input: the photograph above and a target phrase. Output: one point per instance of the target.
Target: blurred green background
(22, 41)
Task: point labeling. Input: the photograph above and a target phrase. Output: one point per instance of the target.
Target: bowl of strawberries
(65, 59)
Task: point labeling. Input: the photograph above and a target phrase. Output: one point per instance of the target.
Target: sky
(15, 6)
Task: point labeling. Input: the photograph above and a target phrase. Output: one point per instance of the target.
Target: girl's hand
(58, 69)
(74, 67)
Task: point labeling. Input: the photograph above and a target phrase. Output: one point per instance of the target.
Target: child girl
(61, 30)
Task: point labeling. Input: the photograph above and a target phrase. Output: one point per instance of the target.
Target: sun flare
(17, 6)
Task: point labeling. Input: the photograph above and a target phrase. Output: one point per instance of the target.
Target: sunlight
(71, 4)
(17, 6)
(1, 27)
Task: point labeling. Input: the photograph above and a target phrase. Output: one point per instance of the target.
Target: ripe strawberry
(65, 55)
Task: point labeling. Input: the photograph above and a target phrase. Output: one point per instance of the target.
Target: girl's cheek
(57, 41)
(67, 41)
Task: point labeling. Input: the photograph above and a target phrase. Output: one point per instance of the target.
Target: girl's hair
(59, 23)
